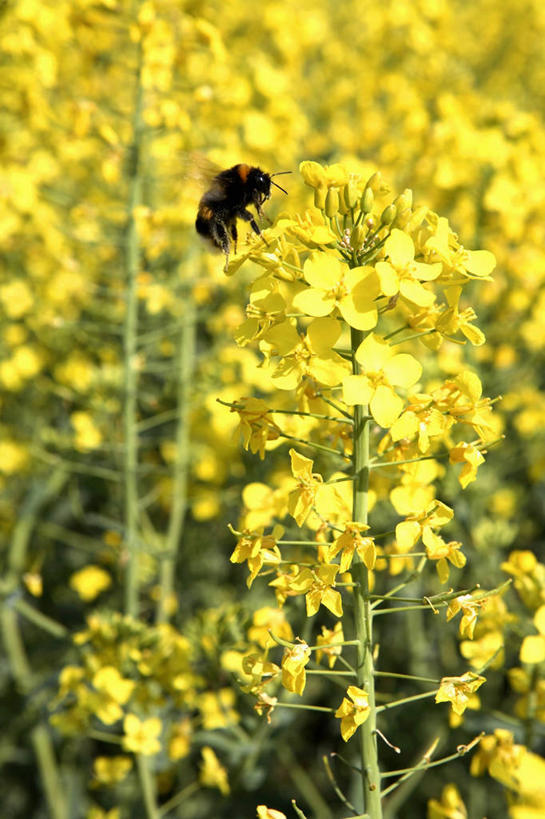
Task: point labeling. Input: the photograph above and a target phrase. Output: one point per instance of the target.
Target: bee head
(260, 181)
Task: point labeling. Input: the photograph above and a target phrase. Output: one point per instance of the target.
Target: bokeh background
(117, 340)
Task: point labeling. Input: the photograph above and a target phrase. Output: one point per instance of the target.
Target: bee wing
(198, 168)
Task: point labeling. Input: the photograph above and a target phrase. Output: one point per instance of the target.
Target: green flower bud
(367, 199)
(357, 237)
(332, 202)
(388, 215)
(350, 194)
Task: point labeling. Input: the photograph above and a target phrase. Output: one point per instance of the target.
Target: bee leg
(234, 235)
(247, 216)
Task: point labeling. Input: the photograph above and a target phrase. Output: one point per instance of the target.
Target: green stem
(147, 784)
(13, 640)
(362, 607)
(184, 370)
(130, 342)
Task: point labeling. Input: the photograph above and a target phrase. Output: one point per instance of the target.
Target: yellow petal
(385, 406)
(357, 389)
(403, 370)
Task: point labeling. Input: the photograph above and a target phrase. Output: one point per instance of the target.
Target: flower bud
(320, 194)
(388, 215)
(332, 202)
(367, 199)
(402, 218)
(375, 182)
(350, 194)
(404, 200)
(357, 237)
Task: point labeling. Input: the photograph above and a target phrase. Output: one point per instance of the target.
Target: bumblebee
(227, 199)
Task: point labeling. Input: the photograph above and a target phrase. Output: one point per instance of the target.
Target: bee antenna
(278, 186)
(279, 173)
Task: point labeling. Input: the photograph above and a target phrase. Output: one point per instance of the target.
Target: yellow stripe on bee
(206, 212)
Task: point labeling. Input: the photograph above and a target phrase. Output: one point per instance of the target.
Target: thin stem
(184, 369)
(130, 344)
(362, 608)
(147, 784)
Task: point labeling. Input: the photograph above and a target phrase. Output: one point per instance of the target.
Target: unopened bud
(388, 215)
(350, 194)
(332, 202)
(358, 236)
(402, 218)
(320, 194)
(375, 182)
(367, 199)
(404, 200)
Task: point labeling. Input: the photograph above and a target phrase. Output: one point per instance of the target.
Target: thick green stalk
(130, 427)
(362, 605)
(184, 370)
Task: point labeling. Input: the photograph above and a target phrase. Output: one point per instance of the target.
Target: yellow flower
(269, 619)
(381, 371)
(111, 769)
(316, 584)
(402, 274)
(451, 805)
(469, 608)
(459, 690)
(332, 284)
(180, 739)
(213, 774)
(352, 541)
(90, 581)
(533, 646)
(327, 638)
(142, 736)
(263, 812)
(256, 424)
(353, 711)
(472, 457)
(302, 499)
(444, 553)
(294, 661)
(257, 549)
(310, 356)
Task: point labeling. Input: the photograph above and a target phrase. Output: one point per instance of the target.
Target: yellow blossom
(257, 549)
(212, 773)
(458, 690)
(333, 284)
(263, 812)
(533, 646)
(471, 457)
(328, 638)
(402, 274)
(353, 711)
(351, 542)
(109, 770)
(381, 370)
(90, 581)
(142, 736)
(293, 667)
(451, 805)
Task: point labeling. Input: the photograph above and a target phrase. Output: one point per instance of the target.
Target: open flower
(353, 711)
(381, 371)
